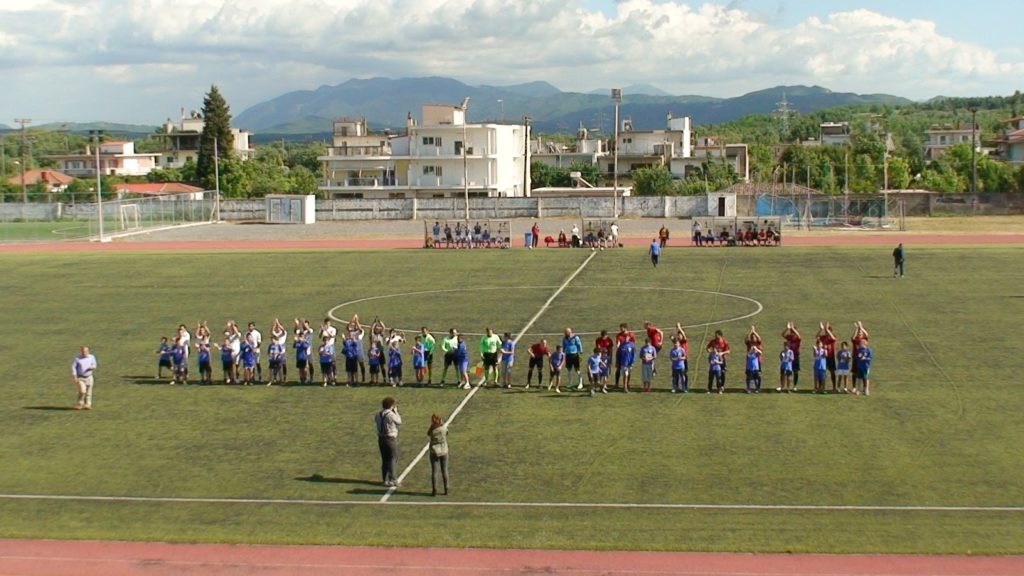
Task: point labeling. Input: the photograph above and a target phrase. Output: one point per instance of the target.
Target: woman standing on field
(438, 433)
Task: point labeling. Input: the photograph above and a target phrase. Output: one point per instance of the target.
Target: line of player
(847, 366)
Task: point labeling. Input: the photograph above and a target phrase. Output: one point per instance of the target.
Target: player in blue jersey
(375, 358)
(844, 367)
(507, 359)
(716, 375)
(862, 368)
(419, 361)
(460, 356)
(785, 368)
(249, 358)
(395, 363)
(302, 360)
(205, 367)
(276, 360)
(753, 368)
(179, 360)
(164, 359)
(648, 355)
(677, 357)
(572, 345)
(655, 251)
(625, 357)
(327, 362)
(820, 367)
(594, 366)
(556, 363)
(350, 349)
(227, 361)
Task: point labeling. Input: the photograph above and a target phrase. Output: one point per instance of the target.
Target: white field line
(472, 392)
(475, 504)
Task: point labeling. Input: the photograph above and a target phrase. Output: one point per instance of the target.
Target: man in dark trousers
(388, 421)
(897, 261)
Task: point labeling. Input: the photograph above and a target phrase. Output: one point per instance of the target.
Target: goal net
(129, 218)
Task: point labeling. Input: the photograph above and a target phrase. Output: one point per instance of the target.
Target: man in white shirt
(82, 368)
(255, 338)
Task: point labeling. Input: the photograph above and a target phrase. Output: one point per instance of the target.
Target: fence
(59, 221)
(857, 211)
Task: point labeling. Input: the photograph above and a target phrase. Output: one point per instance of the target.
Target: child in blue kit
(508, 358)
(327, 363)
(716, 375)
(677, 357)
(785, 368)
(753, 369)
(205, 367)
(375, 359)
(419, 361)
(276, 360)
(395, 363)
(164, 359)
(594, 366)
(844, 366)
(820, 368)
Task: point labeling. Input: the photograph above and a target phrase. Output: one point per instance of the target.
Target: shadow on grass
(321, 479)
(54, 408)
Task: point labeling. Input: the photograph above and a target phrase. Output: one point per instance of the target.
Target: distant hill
(385, 103)
(645, 89)
(111, 128)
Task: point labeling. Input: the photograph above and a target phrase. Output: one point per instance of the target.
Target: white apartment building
(182, 140)
(116, 158)
(673, 148)
(942, 138)
(586, 150)
(441, 158)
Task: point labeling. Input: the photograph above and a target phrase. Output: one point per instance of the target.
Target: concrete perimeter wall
(914, 204)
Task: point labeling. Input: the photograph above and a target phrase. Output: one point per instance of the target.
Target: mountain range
(385, 103)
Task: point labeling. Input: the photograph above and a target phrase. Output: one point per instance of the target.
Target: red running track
(86, 558)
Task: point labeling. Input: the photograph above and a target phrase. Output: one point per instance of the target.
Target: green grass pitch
(942, 427)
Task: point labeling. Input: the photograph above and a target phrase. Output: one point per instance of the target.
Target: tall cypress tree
(216, 126)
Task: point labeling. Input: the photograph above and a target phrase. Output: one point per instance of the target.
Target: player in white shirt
(255, 339)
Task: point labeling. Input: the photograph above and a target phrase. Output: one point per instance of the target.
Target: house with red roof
(55, 181)
(1011, 143)
(156, 189)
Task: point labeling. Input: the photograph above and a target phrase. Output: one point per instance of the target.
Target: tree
(216, 128)
(653, 181)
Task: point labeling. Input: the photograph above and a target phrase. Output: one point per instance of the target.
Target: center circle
(757, 306)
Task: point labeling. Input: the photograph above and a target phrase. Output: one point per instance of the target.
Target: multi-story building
(834, 133)
(646, 148)
(443, 157)
(1011, 142)
(586, 150)
(116, 158)
(711, 148)
(182, 140)
(942, 138)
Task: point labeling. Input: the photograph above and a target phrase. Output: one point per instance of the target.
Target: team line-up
(846, 365)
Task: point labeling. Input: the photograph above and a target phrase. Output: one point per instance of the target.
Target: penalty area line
(465, 400)
(478, 504)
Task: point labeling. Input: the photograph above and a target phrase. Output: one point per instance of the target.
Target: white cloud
(172, 50)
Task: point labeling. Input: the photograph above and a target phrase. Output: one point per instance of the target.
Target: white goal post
(129, 217)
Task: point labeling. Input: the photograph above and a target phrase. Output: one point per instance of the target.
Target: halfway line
(472, 392)
(477, 504)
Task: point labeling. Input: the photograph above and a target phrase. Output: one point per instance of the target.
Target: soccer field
(931, 462)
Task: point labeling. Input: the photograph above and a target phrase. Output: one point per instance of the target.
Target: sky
(142, 61)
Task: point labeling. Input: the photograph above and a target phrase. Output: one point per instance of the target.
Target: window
(432, 141)
(432, 171)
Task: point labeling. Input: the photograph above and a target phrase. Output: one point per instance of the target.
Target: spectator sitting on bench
(563, 242)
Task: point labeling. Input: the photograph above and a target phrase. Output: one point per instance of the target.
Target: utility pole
(465, 158)
(974, 149)
(24, 188)
(96, 135)
(526, 156)
(617, 97)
